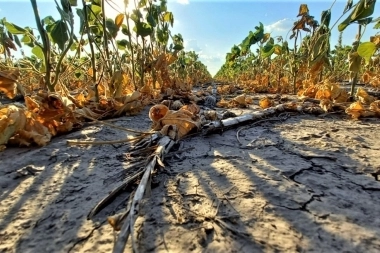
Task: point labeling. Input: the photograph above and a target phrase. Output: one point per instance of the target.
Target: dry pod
(157, 112)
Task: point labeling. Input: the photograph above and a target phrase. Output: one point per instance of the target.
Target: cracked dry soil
(308, 184)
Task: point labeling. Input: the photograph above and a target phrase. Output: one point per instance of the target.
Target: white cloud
(212, 61)
(211, 58)
(183, 1)
(192, 45)
(283, 25)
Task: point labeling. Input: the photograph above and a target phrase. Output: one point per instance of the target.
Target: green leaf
(37, 51)
(362, 10)
(151, 20)
(73, 2)
(235, 52)
(178, 47)
(319, 46)
(268, 49)
(81, 16)
(142, 3)
(112, 27)
(74, 46)
(143, 29)
(96, 2)
(94, 12)
(48, 20)
(367, 50)
(325, 18)
(14, 29)
(365, 21)
(26, 39)
(125, 30)
(122, 44)
(59, 33)
(252, 38)
(162, 36)
(17, 40)
(136, 15)
(377, 25)
(163, 6)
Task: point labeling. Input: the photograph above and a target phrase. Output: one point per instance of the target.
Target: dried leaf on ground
(223, 103)
(8, 83)
(239, 101)
(193, 108)
(326, 104)
(355, 110)
(21, 127)
(53, 111)
(249, 100)
(184, 121)
(265, 103)
(375, 107)
(364, 97)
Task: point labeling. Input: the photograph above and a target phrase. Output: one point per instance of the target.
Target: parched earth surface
(306, 184)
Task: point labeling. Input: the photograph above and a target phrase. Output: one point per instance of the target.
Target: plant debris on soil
(298, 183)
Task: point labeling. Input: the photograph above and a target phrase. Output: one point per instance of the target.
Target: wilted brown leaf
(364, 97)
(323, 93)
(240, 100)
(193, 108)
(304, 10)
(326, 104)
(121, 84)
(354, 60)
(222, 103)
(8, 83)
(355, 109)
(249, 100)
(375, 107)
(21, 127)
(119, 20)
(265, 103)
(342, 97)
(182, 119)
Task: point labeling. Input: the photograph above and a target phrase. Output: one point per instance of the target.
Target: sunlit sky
(212, 27)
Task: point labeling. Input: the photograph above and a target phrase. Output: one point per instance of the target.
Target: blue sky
(212, 27)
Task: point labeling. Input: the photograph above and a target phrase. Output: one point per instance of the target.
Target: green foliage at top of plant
(131, 42)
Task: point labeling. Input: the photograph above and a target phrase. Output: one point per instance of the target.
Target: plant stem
(93, 59)
(355, 79)
(63, 54)
(45, 46)
(294, 63)
(131, 49)
(105, 38)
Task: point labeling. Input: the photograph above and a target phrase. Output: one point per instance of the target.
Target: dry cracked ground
(307, 184)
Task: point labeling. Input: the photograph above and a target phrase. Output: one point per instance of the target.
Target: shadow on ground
(303, 185)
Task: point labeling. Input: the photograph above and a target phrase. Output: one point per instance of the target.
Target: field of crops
(132, 68)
